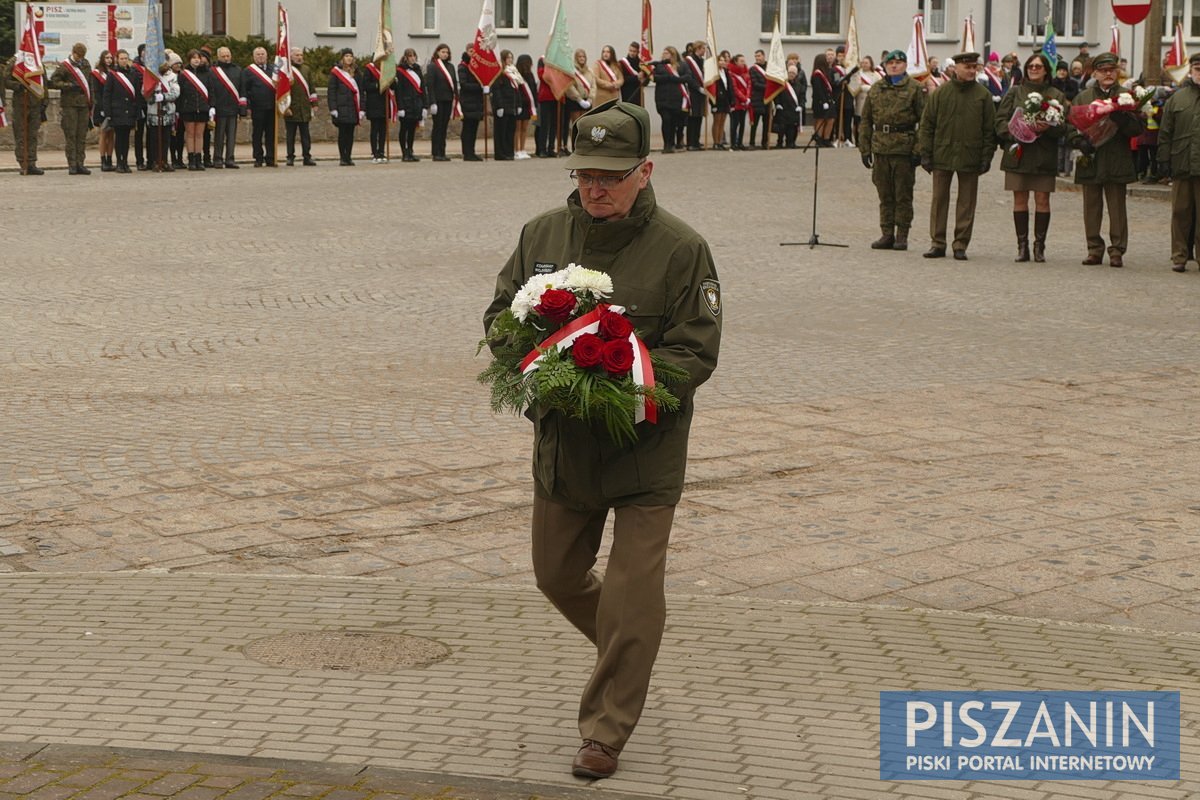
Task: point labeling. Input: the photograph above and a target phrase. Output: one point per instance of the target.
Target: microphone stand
(814, 241)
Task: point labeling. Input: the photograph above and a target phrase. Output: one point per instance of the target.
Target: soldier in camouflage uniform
(75, 104)
(25, 115)
(888, 143)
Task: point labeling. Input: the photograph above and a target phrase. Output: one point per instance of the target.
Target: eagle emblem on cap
(598, 134)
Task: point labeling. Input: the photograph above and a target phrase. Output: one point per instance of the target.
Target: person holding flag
(378, 104)
(758, 103)
(26, 80)
(634, 72)
(299, 113)
(75, 102)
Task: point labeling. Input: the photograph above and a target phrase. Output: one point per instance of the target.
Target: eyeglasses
(605, 182)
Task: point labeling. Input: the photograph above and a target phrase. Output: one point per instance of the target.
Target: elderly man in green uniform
(25, 116)
(75, 104)
(1179, 159)
(300, 113)
(888, 144)
(663, 273)
(1105, 171)
(957, 137)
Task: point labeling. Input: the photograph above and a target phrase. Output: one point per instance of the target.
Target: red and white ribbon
(642, 371)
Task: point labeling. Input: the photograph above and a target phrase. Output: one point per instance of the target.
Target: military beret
(1105, 60)
(896, 55)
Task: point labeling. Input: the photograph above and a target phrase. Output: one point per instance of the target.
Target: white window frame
(349, 13)
(520, 8)
(1187, 9)
(931, 26)
(1028, 29)
(812, 21)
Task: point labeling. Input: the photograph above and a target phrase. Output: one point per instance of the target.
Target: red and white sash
(391, 110)
(612, 76)
(413, 78)
(825, 80)
(298, 77)
(352, 86)
(530, 103)
(687, 101)
(262, 75)
(695, 67)
(629, 70)
(196, 83)
(80, 78)
(101, 77)
(126, 84)
(449, 78)
(792, 91)
(579, 76)
(228, 84)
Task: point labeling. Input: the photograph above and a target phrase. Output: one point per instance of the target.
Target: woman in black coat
(121, 108)
(345, 104)
(670, 96)
(375, 104)
(410, 101)
(824, 100)
(723, 102)
(441, 90)
(194, 106)
(470, 100)
(504, 110)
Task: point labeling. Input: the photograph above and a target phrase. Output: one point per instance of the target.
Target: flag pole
(487, 101)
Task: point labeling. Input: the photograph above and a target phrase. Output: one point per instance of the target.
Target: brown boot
(884, 242)
(1021, 223)
(901, 242)
(1041, 225)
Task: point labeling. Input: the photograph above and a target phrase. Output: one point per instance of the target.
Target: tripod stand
(814, 241)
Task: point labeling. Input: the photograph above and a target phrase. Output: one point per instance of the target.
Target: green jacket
(301, 109)
(958, 128)
(662, 272)
(1179, 134)
(71, 94)
(886, 105)
(1111, 163)
(1039, 157)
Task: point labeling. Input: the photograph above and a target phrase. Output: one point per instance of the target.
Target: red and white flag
(712, 72)
(484, 64)
(646, 48)
(28, 67)
(918, 53)
(283, 64)
(1176, 61)
(1115, 43)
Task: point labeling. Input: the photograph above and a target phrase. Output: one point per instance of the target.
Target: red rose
(617, 357)
(614, 325)
(556, 305)
(587, 350)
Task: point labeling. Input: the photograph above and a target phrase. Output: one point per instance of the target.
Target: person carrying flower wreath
(663, 276)
(1032, 108)
(1104, 170)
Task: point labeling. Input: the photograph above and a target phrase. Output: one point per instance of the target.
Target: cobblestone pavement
(270, 372)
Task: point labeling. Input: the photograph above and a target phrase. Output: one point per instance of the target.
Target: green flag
(560, 59)
(1050, 46)
(385, 48)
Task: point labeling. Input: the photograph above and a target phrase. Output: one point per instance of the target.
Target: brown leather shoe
(1179, 267)
(594, 760)
(1092, 260)
(1115, 260)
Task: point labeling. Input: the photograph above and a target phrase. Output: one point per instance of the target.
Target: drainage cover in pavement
(349, 651)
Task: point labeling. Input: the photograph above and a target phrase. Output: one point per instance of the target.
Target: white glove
(585, 104)
(424, 113)
(333, 113)
(499, 113)
(158, 97)
(433, 109)
(402, 113)
(362, 115)
(212, 113)
(487, 89)
(518, 111)
(797, 109)
(824, 106)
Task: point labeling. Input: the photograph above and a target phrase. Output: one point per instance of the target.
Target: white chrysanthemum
(1125, 100)
(589, 280)
(530, 294)
(1034, 97)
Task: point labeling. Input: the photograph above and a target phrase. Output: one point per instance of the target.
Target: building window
(935, 16)
(216, 19)
(512, 15)
(343, 13)
(1185, 11)
(1069, 17)
(429, 15)
(803, 17)
(167, 15)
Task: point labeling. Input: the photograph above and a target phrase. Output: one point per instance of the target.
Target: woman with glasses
(1031, 166)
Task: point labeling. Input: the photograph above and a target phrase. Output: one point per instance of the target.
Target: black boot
(1041, 225)
(106, 164)
(1021, 222)
(886, 241)
(123, 164)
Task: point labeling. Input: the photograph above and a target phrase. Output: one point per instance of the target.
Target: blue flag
(1050, 46)
(154, 56)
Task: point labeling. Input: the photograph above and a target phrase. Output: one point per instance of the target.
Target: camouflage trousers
(894, 178)
(26, 122)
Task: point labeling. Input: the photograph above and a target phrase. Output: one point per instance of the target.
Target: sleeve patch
(710, 293)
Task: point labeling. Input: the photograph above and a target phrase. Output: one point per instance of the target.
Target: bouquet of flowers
(559, 345)
(1034, 116)
(1092, 120)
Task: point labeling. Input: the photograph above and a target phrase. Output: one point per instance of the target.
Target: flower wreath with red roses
(559, 345)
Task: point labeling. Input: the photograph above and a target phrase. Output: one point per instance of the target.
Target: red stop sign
(1131, 12)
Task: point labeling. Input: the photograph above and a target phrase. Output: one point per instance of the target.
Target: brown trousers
(1185, 218)
(622, 612)
(964, 210)
(1095, 196)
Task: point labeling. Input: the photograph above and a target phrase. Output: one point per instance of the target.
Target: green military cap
(1105, 60)
(896, 55)
(967, 58)
(614, 136)
(1194, 59)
